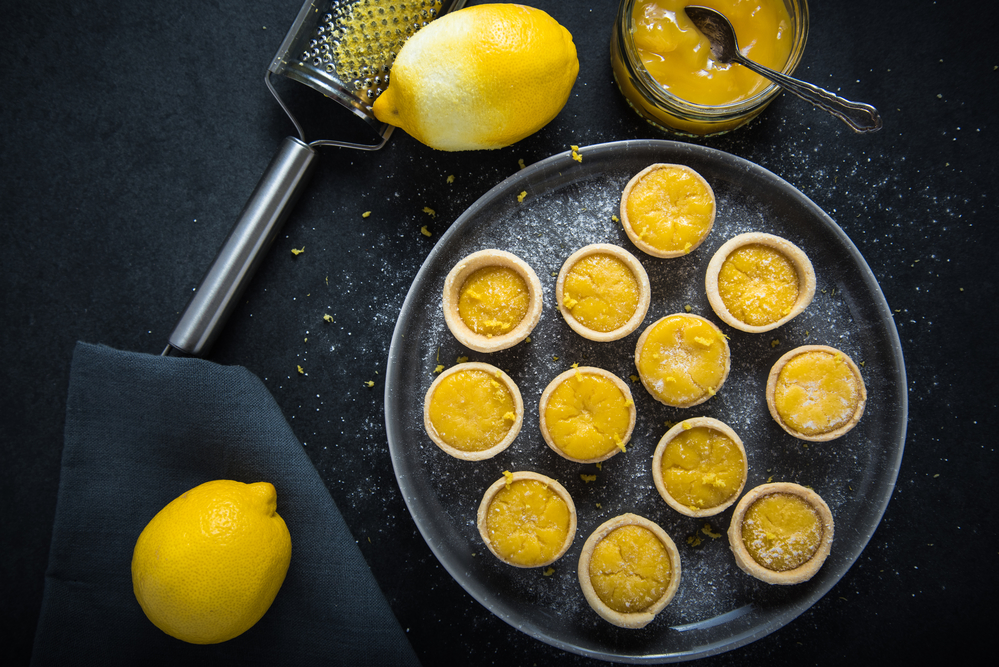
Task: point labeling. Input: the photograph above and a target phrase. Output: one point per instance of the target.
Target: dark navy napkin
(141, 430)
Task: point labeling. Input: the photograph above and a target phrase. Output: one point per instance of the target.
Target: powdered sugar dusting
(562, 211)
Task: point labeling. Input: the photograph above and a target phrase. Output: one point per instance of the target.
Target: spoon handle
(860, 117)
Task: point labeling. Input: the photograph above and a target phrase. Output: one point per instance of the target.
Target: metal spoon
(725, 49)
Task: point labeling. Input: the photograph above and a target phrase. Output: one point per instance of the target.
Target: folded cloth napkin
(140, 431)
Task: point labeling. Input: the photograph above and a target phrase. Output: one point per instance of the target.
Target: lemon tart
(603, 292)
(756, 282)
(781, 533)
(629, 570)
(682, 359)
(816, 393)
(527, 519)
(492, 300)
(667, 210)
(587, 414)
(700, 467)
(473, 411)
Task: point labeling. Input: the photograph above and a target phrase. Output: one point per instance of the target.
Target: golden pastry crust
(629, 224)
(452, 288)
(633, 620)
(482, 517)
(657, 468)
(832, 434)
(799, 260)
(650, 383)
(745, 560)
(585, 370)
(637, 271)
(501, 445)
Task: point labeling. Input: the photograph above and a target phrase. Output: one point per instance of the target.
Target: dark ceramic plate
(569, 204)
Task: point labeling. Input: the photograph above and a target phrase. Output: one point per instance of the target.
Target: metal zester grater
(344, 50)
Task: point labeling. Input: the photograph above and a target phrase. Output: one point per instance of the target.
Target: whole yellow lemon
(209, 564)
(479, 78)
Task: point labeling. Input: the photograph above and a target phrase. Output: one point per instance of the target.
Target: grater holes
(359, 41)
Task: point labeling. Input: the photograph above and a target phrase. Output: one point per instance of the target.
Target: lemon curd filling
(669, 210)
(703, 468)
(678, 56)
(630, 569)
(758, 284)
(493, 300)
(781, 531)
(817, 392)
(527, 523)
(601, 292)
(588, 416)
(682, 360)
(471, 410)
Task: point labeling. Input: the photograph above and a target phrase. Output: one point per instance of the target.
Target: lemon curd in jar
(663, 64)
(678, 55)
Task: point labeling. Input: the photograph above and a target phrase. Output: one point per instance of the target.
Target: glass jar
(672, 114)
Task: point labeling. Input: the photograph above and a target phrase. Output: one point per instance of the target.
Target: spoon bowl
(725, 49)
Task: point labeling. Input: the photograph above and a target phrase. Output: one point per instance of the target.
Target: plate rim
(566, 160)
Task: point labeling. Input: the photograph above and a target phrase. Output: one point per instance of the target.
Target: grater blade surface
(345, 48)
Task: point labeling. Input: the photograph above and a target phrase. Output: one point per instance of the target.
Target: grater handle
(244, 249)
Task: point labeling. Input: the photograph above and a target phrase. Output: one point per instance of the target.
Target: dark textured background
(134, 131)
